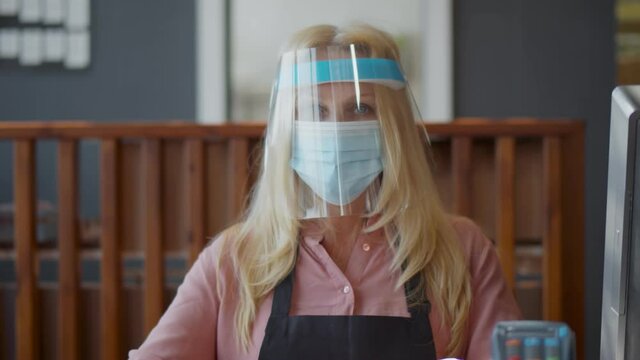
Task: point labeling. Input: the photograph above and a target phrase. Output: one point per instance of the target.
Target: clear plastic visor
(327, 118)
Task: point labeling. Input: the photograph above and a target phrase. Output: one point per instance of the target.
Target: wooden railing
(216, 159)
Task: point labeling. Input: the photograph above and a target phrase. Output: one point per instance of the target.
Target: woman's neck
(340, 238)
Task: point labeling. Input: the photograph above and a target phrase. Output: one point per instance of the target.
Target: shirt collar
(311, 232)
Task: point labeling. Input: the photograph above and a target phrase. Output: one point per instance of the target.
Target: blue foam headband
(375, 70)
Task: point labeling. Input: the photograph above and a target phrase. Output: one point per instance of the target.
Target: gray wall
(546, 58)
(142, 68)
(143, 61)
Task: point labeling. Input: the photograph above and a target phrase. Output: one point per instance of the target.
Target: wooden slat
(505, 205)
(238, 173)
(69, 301)
(217, 184)
(461, 168)
(27, 337)
(153, 252)
(476, 127)
(175, 197)
(552, 237)
(197, 197)
(110, 271)
(573, 235)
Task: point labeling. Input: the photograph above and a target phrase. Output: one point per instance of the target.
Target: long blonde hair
(262, 248)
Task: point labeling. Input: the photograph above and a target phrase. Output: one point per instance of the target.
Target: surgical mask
(337, 160)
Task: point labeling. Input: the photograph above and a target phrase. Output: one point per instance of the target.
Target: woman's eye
(321, 111)
(362, 109)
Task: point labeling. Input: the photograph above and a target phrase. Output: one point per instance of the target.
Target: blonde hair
(262, 248)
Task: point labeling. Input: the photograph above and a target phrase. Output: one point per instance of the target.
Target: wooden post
(461, 168)
(573, 234)
(111, 270)
(197, 197)
(69, 302)
(505, 205)
(239, 174)
(153, 253)
(27, 319)
(552, 238)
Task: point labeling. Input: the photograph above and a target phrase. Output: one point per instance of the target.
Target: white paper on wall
(78, 45)
(54, 45)
(54, 12)
(9, 46)
(31, 48)
(9, 7)
(78, 14)
(30, 11)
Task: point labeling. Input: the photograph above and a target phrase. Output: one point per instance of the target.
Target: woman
(345, 251)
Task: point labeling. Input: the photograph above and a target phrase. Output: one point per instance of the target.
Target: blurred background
(213, 61)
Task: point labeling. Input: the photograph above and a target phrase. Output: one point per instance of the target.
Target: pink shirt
(200, 325)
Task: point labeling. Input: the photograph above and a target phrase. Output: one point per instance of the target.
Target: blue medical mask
(337, 160)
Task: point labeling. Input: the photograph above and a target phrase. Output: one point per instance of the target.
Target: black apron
(311, 337)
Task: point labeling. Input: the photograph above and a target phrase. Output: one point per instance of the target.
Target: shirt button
(346, 289)
(366, 247)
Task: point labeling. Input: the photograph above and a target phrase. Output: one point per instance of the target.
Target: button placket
(361, 257)
(349, 299)
(346, 301)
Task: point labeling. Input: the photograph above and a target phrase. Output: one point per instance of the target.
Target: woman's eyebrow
(367, 93)
(366, 98)
(353, 98)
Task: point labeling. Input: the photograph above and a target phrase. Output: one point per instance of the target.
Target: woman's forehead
(347, 88)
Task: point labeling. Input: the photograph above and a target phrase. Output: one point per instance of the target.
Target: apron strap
(422, 306)
(282, 296)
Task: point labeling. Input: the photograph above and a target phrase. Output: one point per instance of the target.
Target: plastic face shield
(327, 119)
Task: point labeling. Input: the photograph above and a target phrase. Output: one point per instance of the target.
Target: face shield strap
(372, 70)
